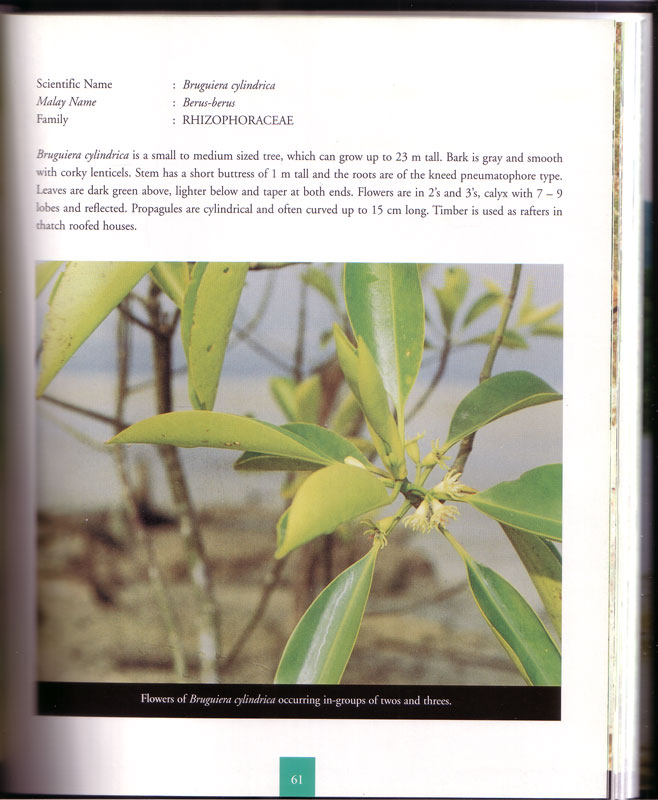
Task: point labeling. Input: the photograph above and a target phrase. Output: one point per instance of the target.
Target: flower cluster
(431, 513)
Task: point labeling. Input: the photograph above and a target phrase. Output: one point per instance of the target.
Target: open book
(337, 336)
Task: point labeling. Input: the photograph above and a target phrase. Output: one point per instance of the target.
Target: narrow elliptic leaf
(375, 405)
(385, 307)
(328, 497)
(452, 294)
(348, 415)
(322, 441)
(86, 293)
(172, 277)
(348, 359)
(44, 273)
(544, 566)
(511, 340)
(515, 624)
(495, 398)
(283, 391)
(207, 317)
(533, 503)
(308, 395)
(321, 645)
(228, 431)
(482, 304)
(320, 280)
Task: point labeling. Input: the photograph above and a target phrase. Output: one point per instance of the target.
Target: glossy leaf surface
(321, 645)
(544, 566)
(515, 624)
(496, 397)
(86, 292)
(211, 300)
(327, 498)
(385, 307)
(533, 503)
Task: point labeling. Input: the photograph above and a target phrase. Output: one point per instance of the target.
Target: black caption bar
(306, 702)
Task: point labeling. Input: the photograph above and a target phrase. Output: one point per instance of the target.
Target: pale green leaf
(87, 291)
(44, 273)
(532, 503)
(283, 391)
(209, 307)
(385, 307)
(514, 623)
(483, 303)
(227, 431)
(496, 397)
(544, 566)
(328, 497)
(451, 295)
(172, 277)
(320, 280)
(548, 329)
(321, 645)
(308, 395)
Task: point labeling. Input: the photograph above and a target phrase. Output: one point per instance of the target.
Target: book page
(331, 248)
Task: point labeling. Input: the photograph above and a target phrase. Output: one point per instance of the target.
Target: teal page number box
(296, 777)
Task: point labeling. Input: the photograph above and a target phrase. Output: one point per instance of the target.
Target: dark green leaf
(495, 398)
(533, 503)
(321, 645)
(385, 306)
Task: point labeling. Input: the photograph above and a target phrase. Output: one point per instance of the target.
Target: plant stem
(198, 562)
(143, 537)
(443, 360)
(467, 444)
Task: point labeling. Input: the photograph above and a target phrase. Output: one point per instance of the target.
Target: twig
(467, 444)
(143, 537)
(271, 582)
(443, 360)
(120, 424)
(257, 347)
(198, 562)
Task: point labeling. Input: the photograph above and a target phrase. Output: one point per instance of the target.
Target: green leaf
(530, 314)
(348, 360)
(385, 307)
(348, 415)
(308, 395)
(172, 277)
(496, 397)
(87, 291)
(511, 339)
(515, 624)
(283, 391)
(452, 294)
(533, 503)
(548, 329)
(483, 303)
(323, 442)
(544, 565)
(375, 405)
(44, 272)
(211, 300)
(227, 431)
(321, 645)
(328, 497)
(319, 279)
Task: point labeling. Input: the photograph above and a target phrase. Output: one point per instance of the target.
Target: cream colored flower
(450, 486)
(420, 519)
(441, 514)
